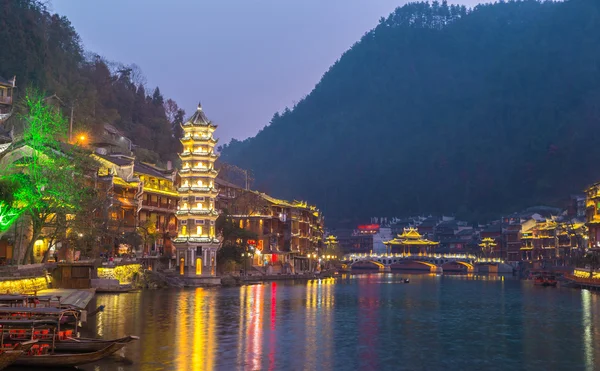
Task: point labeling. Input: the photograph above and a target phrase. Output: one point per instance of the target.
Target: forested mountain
(44, 51)
(443, 109)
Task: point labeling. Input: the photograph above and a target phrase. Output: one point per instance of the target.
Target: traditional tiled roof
(119, 161)
(225, 183)
(199, 118)
(143, 168)
(6, 82)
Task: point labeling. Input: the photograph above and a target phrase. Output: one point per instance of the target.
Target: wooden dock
(77, 298)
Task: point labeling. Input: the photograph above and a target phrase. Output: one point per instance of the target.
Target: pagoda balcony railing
(195, 239)
(198, 153)
(197, 137)
(210, 212)
(6, 100)
(198, 189)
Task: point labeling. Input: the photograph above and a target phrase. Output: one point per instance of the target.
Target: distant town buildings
(289, 233)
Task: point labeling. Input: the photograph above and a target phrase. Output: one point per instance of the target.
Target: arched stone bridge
(436, 263)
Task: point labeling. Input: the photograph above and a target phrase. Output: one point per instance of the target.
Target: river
(366, 322)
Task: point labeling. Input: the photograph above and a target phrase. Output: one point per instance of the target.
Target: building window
(183, 222)
(199, 199)
(184, 199)
(199, 221)
(199, 230)
(212, 222)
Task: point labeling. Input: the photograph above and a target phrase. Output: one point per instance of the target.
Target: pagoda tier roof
(198, 154)
(199, 138)
(199, 119)
(199, 170)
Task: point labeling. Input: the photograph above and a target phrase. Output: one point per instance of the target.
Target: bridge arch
(405, 264)
(378, 264)
(469, 266)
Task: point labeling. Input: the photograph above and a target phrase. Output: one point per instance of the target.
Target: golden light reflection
(310, 321)
(588, 346)
(182, 320)
(196, 321)
(113, 322)
(250, 329)
(319, 303)
(255, 327)
(272, 333)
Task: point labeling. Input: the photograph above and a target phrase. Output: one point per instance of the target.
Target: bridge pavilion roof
(410, 236)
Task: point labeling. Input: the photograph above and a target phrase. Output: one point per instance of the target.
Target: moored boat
(66, 359)
(8, 357)
(79, 345)
(543, 279)
(50, 347)
(49, 334)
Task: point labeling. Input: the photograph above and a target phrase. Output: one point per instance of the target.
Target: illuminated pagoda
(410, 242)
(487, 246)
(196, 243)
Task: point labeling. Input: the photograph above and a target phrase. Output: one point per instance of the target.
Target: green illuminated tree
(52, 186)
(8, 212)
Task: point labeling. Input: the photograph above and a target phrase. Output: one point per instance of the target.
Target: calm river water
(356, 322)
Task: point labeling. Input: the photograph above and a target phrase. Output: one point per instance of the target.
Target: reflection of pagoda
(410, 242)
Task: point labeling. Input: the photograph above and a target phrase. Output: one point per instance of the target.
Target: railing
(433, 256)
(6, 100)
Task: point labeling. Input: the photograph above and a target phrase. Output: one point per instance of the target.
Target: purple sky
(244, 59)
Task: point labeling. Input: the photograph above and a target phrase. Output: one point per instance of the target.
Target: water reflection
(371, 321)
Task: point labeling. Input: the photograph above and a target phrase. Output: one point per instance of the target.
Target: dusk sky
(243, 59)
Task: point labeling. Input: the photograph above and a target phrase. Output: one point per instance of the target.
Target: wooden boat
(538, 281)
(49, 335)
(551, 281)
(8, 357)
(79, 345)
(545, 280)
(66, 360)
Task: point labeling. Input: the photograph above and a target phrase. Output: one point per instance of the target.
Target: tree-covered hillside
(44, 51)
(444, 109)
